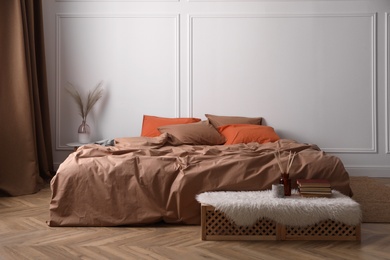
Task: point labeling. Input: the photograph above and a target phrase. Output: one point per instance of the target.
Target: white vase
(84, 133)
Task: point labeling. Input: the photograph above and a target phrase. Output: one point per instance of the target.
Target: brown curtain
(25, 138)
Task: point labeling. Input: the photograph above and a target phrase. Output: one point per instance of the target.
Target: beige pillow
(201, 133)
(218, 121)
(142, 141)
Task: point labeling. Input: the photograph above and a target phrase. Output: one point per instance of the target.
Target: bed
(156, 177)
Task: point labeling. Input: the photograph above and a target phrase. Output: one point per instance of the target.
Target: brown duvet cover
(142, 182)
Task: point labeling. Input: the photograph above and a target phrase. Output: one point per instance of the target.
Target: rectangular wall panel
(305, 74)
(136, 57)
(387, 83)
(316, 70)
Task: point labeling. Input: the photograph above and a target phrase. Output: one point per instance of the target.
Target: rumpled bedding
(145, 180)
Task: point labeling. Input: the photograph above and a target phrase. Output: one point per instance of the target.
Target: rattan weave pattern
(325, 228)
(218, 224)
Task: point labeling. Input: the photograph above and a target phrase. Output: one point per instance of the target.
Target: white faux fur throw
(246, 207)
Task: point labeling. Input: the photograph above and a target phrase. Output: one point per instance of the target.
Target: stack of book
(314, 188)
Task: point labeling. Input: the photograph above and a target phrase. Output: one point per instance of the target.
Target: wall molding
(117, 0)
(387, 86)
(369, 170)
(231, 0)
(373, 16)
(225, 1)
(60, 16)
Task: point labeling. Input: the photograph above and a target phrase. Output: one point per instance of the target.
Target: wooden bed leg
(358, 232)
(280, 232)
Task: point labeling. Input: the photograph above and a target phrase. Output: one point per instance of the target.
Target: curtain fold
(25, 150)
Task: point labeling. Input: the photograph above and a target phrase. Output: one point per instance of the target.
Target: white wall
(315, 70)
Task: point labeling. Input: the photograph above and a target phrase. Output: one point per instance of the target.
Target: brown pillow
(201, 133)
(218, 121)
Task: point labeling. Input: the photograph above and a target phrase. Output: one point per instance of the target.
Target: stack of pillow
(214, 131)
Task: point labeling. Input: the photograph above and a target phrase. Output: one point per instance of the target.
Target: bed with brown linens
(156, 177)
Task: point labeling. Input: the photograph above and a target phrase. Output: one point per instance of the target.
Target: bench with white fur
(257, 215)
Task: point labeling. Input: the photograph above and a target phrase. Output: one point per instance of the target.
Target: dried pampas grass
(93, 97)
(290, 161)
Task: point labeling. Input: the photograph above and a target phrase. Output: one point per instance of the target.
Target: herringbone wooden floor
(25, 235)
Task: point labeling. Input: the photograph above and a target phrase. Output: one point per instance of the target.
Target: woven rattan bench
(216, 225)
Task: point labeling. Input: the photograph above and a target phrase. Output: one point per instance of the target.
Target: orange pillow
(245, 133)
(151, 124)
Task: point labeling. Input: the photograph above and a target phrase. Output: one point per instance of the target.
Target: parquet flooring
(25, 235)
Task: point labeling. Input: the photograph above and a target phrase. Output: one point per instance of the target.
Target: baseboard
(370, 171)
